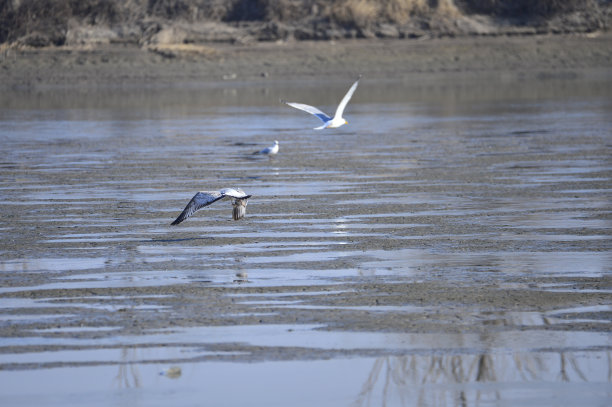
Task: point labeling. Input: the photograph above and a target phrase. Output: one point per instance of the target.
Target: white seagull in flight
(273, 149)
(329, 122)
(205, 198)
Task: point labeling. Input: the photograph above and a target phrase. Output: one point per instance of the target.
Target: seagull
(269, 150)
(328, 122)
(205, 198)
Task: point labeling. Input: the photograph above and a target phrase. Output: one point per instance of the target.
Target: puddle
(20, 318)
(309, 337)
(52, 265)
(412, 261)
(75, 329)
(137, 279)
(525, 378)
(98, 303)
(109, 355)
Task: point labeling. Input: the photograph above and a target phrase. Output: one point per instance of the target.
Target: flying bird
(205, 198)
(273, 149)
(328, 122)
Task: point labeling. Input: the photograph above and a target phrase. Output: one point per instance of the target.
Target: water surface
(451, 245)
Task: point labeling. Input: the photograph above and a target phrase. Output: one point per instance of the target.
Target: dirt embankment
(518, 57)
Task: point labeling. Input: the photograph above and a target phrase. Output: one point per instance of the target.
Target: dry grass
(447, 8)
(290, 10)
(361, 13)
(47, 20)
(400, 11)
(355, 12)
(525, 8)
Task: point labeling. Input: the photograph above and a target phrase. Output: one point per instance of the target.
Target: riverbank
(557, 56)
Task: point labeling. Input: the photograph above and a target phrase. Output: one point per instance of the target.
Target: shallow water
(449, 187)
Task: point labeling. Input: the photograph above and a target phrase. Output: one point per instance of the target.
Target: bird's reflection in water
(128, 375)
(173, 372)
(241, 277)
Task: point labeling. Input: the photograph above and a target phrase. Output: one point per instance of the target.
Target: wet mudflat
(451, 245)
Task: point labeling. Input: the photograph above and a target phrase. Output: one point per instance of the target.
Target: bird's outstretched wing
(310, 109)
(199, 201)
(346, 98)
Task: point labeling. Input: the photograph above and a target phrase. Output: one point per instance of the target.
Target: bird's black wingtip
(176, 222)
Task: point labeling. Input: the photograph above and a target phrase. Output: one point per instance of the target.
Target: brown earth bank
(98, 41)
(542, 56)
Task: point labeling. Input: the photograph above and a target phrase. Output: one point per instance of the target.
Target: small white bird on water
(205, 198)
(273, 149)
(329, 122)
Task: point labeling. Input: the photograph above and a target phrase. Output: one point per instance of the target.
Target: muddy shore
(556, 56)
(345, 304)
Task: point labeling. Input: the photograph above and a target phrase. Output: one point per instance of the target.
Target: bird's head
(275, 141)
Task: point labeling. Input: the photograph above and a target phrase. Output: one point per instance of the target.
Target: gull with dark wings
(328, 122)
(205, 198)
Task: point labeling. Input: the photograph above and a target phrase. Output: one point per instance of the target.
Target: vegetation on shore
(59, 22)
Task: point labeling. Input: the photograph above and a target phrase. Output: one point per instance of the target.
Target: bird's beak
(345, 121)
